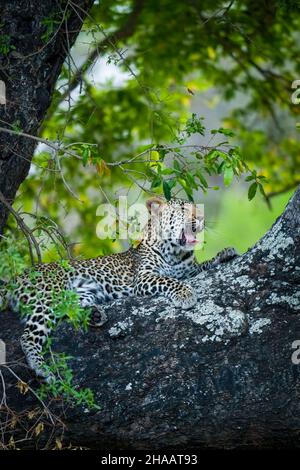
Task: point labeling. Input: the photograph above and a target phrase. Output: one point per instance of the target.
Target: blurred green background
(141, 73)
(238, 222)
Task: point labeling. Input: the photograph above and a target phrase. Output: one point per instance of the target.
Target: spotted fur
(159, 265)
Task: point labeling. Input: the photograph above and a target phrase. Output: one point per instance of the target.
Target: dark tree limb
(220, 375)
(30, 70)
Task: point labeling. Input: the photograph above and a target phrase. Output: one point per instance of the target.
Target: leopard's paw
(227, 254)
(185, 298)
(50, 378)
(98, 318)
(45, 374)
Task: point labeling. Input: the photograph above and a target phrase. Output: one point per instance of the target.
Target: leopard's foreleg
(225, 255)
(181, 294)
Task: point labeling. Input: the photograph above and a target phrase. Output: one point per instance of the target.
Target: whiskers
(210, 228)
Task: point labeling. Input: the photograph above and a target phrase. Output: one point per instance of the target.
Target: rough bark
(220, 375)
(29, 70)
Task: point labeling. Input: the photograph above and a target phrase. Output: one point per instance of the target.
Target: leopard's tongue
(190, 239)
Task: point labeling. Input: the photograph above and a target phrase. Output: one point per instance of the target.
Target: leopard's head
(175, 221)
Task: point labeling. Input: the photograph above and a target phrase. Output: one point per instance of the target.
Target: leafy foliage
(14, 256)
(5, 44)
(245, 51)
(66, 307)
(63, 386)
(51, 23)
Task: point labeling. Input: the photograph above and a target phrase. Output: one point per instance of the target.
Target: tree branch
(283, 190)
(28, 94)
(32, 242)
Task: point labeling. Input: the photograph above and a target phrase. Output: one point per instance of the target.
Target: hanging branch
(32, 242)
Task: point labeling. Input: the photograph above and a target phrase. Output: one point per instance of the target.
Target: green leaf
(167, 171)
(189, 195)
(172, 183)
(143, 148)
(261, 189)
(191, 180)
(156, 182)
(194, 125)
(167, 190)
(162, 153)
(220, 167)
(177, 165)
(186, 188)
(222, 130)
(85, 156)
(250, 178)
(252, 191)
(228, 175)
(212, 155)
(201, 179)
(16, 125)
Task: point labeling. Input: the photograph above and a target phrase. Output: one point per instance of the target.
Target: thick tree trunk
(224, 374)
(30, 64)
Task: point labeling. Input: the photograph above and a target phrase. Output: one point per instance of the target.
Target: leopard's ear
(154, 204)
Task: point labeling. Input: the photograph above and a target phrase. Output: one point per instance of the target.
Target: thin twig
(25, 229)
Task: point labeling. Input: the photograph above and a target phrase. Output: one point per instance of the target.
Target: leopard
(159, 265)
